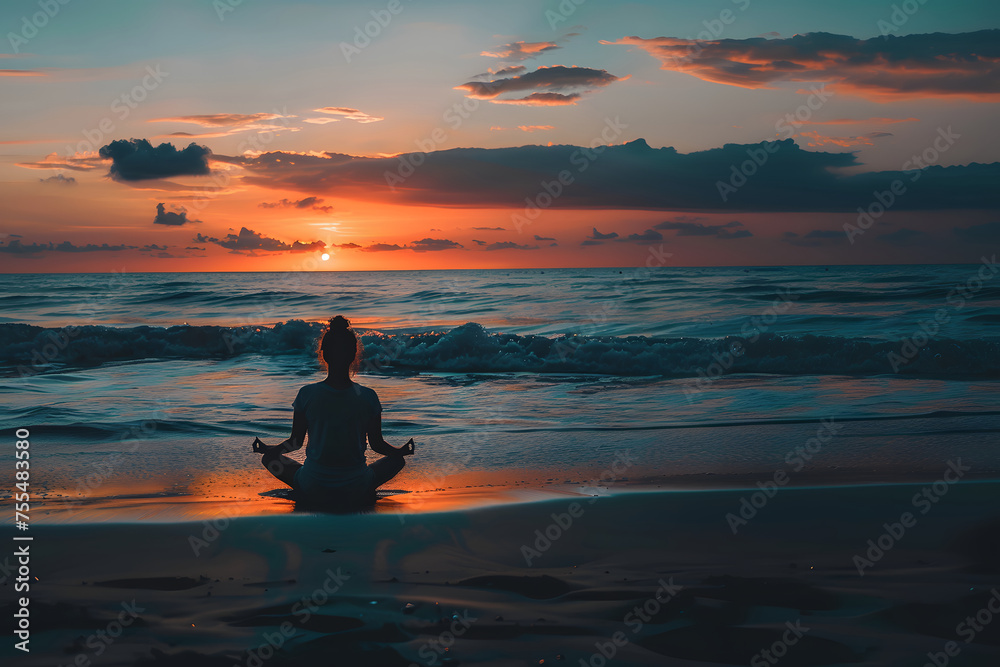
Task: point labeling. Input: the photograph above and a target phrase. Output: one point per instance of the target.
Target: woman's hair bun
(339, 323)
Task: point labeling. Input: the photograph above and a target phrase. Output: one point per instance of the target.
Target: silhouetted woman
(338, 415)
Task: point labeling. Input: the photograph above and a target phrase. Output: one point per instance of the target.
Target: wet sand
(635, 578)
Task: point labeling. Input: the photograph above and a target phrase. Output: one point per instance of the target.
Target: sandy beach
(632, 578)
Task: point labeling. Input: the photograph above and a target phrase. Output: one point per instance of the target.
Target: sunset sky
(262, 136)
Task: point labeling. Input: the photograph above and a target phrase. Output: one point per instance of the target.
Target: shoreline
(164, 507)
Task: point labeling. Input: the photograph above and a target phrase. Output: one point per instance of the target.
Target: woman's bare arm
(294, 442)
(378, 443)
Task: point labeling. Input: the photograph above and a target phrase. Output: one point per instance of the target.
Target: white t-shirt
(336, 423)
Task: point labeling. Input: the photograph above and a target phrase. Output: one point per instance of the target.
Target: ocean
(146, 389)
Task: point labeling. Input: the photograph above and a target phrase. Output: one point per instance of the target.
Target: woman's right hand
(408, 448)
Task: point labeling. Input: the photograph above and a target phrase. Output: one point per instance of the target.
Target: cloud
(428, 245)
(510, 245)
(220, 119)
(249, 242)
(598, 236)
(423, 245)
(345, 246)
(518, 51)
(815, 238)
(349, 114)
(507, 71)
(858, 121)
(490, 229)
(15, 247)
(534, 128)
(907, 67)
(901, 236)
(591, 242)
(478, 242)
(988, 233)
(626, 176)
(136, 160)
(20, 72)
(309, 202)
(164, 217)
(844, 142)
(320, 121)
(686, 228)
(76, 162)
(383, 247)
(225, 124)
(543, 238)
(58, 179)
(546, 86)
(285, 203)
(648, 236)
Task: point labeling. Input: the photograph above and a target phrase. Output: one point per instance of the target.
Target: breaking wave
(470, 348)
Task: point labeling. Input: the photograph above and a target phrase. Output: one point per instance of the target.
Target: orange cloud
(227, 124)
(912, 66)
(844, 142)
(76, 162)
(349, 113)
(220, 119)
(521, 50)
(859, 121)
